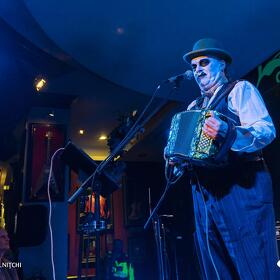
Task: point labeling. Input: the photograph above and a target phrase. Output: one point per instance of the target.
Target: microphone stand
(157, 233)
(137, 127)
(154, 218)
(134, 129)
(103, 164)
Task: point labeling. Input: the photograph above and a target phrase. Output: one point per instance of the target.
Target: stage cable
(169, 182)
(50, 211)
(176, 169)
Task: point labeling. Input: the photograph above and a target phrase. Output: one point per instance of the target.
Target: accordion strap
(231, 133)
(223, 92)
(228, 141)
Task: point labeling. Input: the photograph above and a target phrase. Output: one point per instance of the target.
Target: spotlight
(278, 263)
(6, 187)
(39, 83)
(51, 114)
(102, 137)
(81, 132)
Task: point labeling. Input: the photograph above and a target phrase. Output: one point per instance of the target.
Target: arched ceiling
(116, 51)
(138, 44)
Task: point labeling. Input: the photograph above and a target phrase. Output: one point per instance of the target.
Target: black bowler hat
(208, 46)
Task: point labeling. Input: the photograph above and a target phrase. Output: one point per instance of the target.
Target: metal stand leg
(159, 246)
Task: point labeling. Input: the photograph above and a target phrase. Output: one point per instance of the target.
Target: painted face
(4, 240)
(208, 71)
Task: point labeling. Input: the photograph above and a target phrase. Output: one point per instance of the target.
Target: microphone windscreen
(188, 75)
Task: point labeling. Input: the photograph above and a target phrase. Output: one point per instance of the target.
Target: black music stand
(105, 184)
(78, 161)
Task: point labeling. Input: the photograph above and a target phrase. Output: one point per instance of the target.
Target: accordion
(188, 142)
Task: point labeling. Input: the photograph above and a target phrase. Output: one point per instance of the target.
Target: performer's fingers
(211, 126)
(213, 121)
(210, 132)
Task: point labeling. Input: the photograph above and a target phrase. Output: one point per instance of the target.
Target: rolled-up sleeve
(256, 130)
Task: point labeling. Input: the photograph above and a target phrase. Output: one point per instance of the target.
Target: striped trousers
(237, 201)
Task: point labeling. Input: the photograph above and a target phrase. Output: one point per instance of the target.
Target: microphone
(188, 75)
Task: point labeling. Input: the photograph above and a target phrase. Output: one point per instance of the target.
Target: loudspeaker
(31, 225)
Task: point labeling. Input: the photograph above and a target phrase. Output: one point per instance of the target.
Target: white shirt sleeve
(256, 130)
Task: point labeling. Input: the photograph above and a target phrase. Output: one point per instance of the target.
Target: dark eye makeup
(203, 62)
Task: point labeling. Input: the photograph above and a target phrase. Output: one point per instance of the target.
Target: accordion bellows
(186, 139)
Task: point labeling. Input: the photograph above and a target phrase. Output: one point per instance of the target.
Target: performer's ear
(223, 65)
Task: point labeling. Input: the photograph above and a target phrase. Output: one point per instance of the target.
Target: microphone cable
(169, 183)
(207, 227)
(50, 211)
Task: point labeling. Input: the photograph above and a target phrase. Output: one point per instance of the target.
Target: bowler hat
(208, 46)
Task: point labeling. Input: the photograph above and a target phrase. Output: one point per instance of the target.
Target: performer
(234, 215)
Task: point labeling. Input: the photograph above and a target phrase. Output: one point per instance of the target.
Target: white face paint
(208, 72)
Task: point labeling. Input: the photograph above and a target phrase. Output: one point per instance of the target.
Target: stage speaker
(31, 225)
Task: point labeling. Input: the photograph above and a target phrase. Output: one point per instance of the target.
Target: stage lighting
(40, 83)
(102, 137)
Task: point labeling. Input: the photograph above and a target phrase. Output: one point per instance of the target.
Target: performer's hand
(214, 127)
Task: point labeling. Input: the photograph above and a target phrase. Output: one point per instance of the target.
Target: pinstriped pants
(241, 224)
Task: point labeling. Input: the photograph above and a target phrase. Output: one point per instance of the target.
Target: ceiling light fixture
(40, 83)
(103, 137)
(6, 187)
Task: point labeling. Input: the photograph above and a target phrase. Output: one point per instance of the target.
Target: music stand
(106, 184)
(78, 161)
